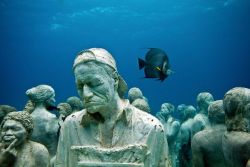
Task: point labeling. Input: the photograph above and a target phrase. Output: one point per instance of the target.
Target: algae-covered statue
(64, 110)
(45, 123)
(4, 110)
(137, 99)
(16, 149)
(141, 104)
(171, 127)
(187, 113)
(134, 93)
(207, 144)
(109, 131)
(236, 140)
(201, 121)
(75, 103)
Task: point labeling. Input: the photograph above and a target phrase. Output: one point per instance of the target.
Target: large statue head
(75, 103)
(42, 94)
(203, 101)
(236, 104)
(134, 93)
(97, 79)
(16, 125)
(216, 113)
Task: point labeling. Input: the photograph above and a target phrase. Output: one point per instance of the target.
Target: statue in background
(141, 104)
(137, 99)
(187, 113)
(65, 110)
(75, 103)
(207, 144)
(109, 131)
(171, 127)
(201, 119)
(45, 124)
(16, 149)
(236, 140)
(4, 110)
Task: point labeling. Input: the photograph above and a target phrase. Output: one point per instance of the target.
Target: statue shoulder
(147, 119)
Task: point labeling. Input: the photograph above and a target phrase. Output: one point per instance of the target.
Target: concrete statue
(201, 119)
(109, 131)
(207, 144)
(236, 140)
(16, 149)
(45, 123)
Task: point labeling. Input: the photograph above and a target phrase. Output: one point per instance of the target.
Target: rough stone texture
(16, 150)
(201, 119)
(64, 109)
(207, 144)
(134, 93)
(29, 107)
(141, 104)
(129, 155)
(185, 136)
(108, 121)
(4, 110)
(45, 124)
(75, 103)
(171, 127)
(236, 141)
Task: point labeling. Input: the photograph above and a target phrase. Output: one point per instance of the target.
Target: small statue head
(203, 101)
(42, 94)
(236, 103)
(216, 113)
(134, 93)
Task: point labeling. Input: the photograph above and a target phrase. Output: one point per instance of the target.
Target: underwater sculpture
(141, 104)
(207, 144)
(201, 119)
(137, 99)
(187, 113)
(156, 64)
(134, 93)
(75, 103)
(236, 140)
(4, 110)
(16, 149)
(171, 127)
(45, 124)
(65, 110)
(109, 131)
(29, 107)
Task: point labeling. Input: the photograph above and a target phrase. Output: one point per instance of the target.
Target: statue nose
(87, 92)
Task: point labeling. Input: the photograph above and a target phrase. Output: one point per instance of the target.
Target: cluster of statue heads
(185, 132)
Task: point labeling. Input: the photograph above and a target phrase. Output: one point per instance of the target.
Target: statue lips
(8, 138)
(90, 104)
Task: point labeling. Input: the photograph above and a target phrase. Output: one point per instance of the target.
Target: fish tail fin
(141, 63)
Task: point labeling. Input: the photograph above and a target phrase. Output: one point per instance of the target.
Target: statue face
(12, 130)
(95, 86)
(51, 101)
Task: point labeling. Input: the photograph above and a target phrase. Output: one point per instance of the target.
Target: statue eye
(95, 83)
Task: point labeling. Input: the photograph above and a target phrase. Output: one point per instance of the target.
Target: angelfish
(156, 64)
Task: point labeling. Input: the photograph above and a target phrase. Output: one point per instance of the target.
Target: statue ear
(116, 83)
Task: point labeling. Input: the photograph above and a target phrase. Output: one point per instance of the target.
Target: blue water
(208, 44)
